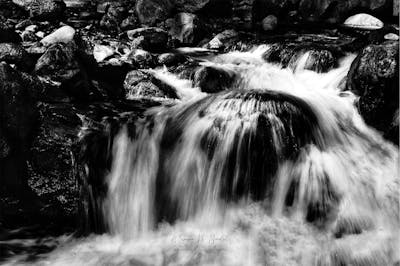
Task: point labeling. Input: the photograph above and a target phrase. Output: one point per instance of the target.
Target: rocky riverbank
(64, 63)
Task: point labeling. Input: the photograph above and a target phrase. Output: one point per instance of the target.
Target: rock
(40, 34)
(151, 39)
(391, 36)
(17, 120)
(152, 11)
(101, 52)
(29, 36)
(185, 28)
(320, 60)
(130, 23)
(63, 63)
(223, 40)
(15, 54)
(64, 34)
(115, 13)
(171, 59)
(141, 58)
(212, 79)
(190, 5)
(243, 14)
(32, 28)
(23, 24)
(43, 9)
(374, 76)
(269, 23)
(140, 84)
(363, 21)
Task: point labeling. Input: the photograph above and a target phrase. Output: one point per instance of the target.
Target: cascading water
(278, 170)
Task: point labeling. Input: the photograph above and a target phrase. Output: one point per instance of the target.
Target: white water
(348, 170)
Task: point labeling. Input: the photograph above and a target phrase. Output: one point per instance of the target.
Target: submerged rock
(363, 21)
(64, 34)
(213, 80)
(374, 77)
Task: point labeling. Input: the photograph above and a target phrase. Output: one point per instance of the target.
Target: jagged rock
(63, 63)
(141, 58)
(185, 28)
(141, 84)
(269, 23)
(151, 39)
(320, 60)
(13, 53)
(115, 14)
(213, 80)
(374, 76)
(43, 9)
(223, 39)
(363, 21)
(152, 11)
(64, 34)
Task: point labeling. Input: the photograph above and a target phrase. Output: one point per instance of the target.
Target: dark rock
(4, 147)
(130, 23)
(7, 34)
(17, 120)
(15, 54)
(223, 40)
(190, 5)
(213, 80)
(65, 64)
(269, 23)
(29, 36)
(320, 61)
(243, 13)
(171, 59)
(115, 14)
(141, 84)
(43, 9)
(374, 76)
(186, 28)
(141, 58)
(151, 39)
(23, 24)
(152, 11)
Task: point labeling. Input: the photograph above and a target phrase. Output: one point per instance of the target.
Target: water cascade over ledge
(278, 169)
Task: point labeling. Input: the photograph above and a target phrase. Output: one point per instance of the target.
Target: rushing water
(278, 170)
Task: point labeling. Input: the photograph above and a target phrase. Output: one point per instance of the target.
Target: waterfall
(279, 169)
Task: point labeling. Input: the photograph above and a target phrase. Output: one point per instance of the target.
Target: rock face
(152, 11)
(363, 21)
(17, 119)
(64, 34)
(213, 80)
(63, 63)
(151, 39)
(374, 77)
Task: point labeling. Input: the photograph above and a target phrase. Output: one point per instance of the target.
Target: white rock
(31, 28)
(364, 21)
(40, 34)
(392, 36)
(64, 34)
(101, 52)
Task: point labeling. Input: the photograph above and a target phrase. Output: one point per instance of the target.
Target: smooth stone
(364, 21)
(64, 34)
(32, 28)
(101, 52)
(269, 23)
(392, 37)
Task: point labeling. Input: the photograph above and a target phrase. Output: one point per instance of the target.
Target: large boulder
(152, 11)
(65, 34)
(374, 76)
(64, 63)
(212, 80)
(150, 38)
(43, 9)
(363, 21)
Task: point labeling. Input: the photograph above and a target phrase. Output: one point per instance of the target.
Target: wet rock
(15, 54)
(320, 60)
(363, 21)
(374, 77)
(212, 79)
(17, 120)
(391, 36)
(141, 84)
(222, 40)
(269, 23)
(171, 59)
(152, 11)
(65, 64)
(141, 58)
(130, 23)
(64, 34)
(115, 13)
(186, 28)
(43, 9)
(151, 39)
(280, 53)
